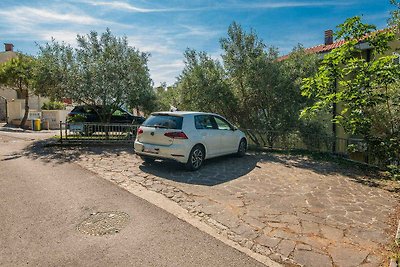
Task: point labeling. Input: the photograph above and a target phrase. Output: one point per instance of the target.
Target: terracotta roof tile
(317, 49)
(326, 48)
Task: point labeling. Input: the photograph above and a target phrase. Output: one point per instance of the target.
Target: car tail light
(139, 131)
(176, 135)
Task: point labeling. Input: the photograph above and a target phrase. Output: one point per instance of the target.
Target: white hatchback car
(188, 137)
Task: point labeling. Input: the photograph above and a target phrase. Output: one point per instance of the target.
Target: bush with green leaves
(250, 87)
(76, 118)
(53, 105)
(366, 87)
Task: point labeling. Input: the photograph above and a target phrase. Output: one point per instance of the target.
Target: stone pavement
(294, 210)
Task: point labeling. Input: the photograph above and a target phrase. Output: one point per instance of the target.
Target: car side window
(119, 113)
(90, 110)
(204, 122)
(222, 124)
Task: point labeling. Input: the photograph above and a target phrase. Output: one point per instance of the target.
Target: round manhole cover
(104, 223)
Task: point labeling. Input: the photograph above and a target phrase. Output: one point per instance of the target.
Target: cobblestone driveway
(294, 210)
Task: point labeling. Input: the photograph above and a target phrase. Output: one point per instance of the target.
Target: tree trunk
(253, 137)
(22, 125)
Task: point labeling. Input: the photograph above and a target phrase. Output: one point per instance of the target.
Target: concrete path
(48, 209)
(293, 210)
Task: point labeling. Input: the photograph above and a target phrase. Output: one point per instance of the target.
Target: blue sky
(166, 28)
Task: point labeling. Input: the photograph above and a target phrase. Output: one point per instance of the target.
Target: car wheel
(196, 158)
(147, 159)
(242, 148)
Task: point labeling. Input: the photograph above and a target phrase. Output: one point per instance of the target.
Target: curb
(172, 207)
(14, 130)
(393, 262)
(397, 240)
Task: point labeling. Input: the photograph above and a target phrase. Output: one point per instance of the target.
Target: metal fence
(311, 142)
(85, 132)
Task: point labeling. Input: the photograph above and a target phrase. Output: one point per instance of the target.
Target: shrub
(77, 118)
(53, 105)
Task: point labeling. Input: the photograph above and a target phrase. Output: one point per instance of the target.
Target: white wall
(36, 102)
(8, 93)
(15, 109)
(54, 117)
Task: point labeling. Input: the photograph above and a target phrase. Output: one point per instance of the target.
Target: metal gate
(92, 132)
(3, 109)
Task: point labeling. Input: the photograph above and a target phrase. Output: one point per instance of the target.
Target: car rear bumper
(177, 152)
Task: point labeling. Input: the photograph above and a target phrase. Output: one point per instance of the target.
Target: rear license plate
(150, 150)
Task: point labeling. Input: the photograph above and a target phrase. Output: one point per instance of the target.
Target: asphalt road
(41, 205)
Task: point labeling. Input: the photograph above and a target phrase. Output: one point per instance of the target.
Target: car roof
(182, 113)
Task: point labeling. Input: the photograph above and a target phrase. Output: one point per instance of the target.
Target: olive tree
(102, 70)
(203, 85)
(267, 90)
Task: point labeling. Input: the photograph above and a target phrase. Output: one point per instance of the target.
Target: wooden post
(66, 136)
(61, 132)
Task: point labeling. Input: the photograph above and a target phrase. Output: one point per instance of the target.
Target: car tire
(242, 148)
(196, 158)
(147, 159)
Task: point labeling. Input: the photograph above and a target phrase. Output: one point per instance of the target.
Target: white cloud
(68, 36)
(120, 5)
(175, 64)
(28, 15)
(165, 69)
(167, 76)
(151, 45)
(289, 4)
(131, 8)
(125, 6)
(198, 31)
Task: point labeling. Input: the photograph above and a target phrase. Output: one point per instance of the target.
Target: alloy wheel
(197, 158)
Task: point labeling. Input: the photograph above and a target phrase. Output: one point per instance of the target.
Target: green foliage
(168, 97)
(102, 70)
(366, 88)
(394, 20)
(243, 54)
(314, 134)
(251, 88)
(19, 74)
(202, 85)
(77, 118)
(353, 29)
(53, 105)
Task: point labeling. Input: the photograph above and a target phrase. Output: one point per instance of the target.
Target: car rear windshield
(164, 121)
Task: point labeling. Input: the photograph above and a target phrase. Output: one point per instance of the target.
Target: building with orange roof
(323, 49)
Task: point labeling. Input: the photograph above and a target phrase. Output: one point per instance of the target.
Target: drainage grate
(104, 223)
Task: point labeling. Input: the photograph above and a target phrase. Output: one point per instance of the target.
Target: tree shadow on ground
(224, 169)
(335, 165)
(214, 171)
(50, 151)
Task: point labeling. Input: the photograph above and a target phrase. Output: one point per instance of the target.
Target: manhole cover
(104, 223)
